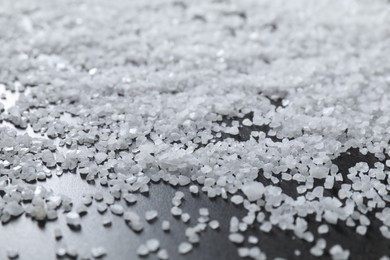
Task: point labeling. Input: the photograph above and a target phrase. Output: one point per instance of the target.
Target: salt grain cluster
(257, 107)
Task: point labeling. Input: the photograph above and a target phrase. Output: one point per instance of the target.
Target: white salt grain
(214, 224)
(237, 199)
(315, 251)
(236, 238)
(243, 252)
(142, 250)
(247, 122)
(61, 252)
(194, 189)
(82, 210)
(117, 209)
(338, 253)
(98, 252)
(185, 217)
(184, 180)
(73, 219)
(130, 198)
(107, 222)
(253, 190)
(203, 212)
(266, 227)
(152, 244)
(72, 252)
(101, 208)
(175, 211)
(14, 209)
(162, 254)
(184, 248)
(98, 196)
(361, 230)
(253, 240)
(151, 215)
(323, 229)
(133, 221)
(165, 225)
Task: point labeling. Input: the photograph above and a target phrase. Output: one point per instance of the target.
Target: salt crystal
(253, 240)
(193, 238)
(211, 193)
(130, 198)
(184, 248)
(206, 169)
(152, 244)
(361, 230)
(194, 189)
(151, 215)
(61, 252)
(175, 211)
(237, 199)
(142, 250)
(209, 182)
(14, 209)
(133, 220)
(243, 252)
(56, 200)
(179, 195)
(101, 208)
(214, 224)
(117, 209)
(266, 227)
(107, 222)
(185, 217)
(108, 198)
(82, 210)
(184, 180)
(329, 182)
(321, 243)
(315, 251)
(92, 71)
(203, 219)
(203, 212)
(253, 190)
(162, 254)
(100, 157)
(323, 229)
(73, 219)
(319, 172)
(98, 251)
(260, 217)
(72, 252)
(236, 238)
(176, 202)
(246, 122)
(87, 200)
(165, 225)
(337, 252)
(255, 253)
(98, 196)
